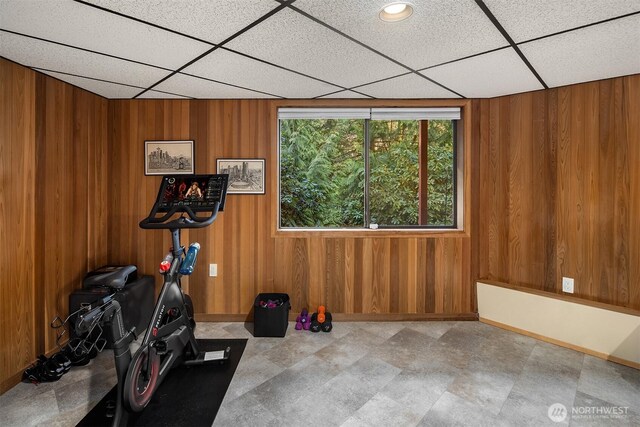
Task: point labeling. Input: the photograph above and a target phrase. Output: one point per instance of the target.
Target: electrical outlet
(213, 270)
(567, 285)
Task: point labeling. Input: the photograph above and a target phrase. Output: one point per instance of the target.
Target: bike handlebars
(210, 198)
(193, 221)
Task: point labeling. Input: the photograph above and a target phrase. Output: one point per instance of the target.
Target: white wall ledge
(590, 328)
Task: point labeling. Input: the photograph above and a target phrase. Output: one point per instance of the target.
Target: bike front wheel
(142, 379)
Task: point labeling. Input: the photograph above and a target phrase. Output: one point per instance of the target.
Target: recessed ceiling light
(396, 11)
(395, 8)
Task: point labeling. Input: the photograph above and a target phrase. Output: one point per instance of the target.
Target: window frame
(462, 172)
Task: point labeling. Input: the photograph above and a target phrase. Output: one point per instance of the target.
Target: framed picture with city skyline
(246, 176)
(168, 157)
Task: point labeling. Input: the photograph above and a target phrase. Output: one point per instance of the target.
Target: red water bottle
(165, 265)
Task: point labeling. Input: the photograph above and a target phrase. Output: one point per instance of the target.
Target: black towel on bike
(189, 396)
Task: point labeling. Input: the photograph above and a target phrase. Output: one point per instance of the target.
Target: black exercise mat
(189, 396)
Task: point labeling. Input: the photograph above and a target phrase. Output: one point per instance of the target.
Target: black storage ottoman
(136, 299)
(271, 322)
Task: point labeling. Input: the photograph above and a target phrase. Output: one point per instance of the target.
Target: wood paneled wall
(53, 140)
(71, 194)
(377, 275)
(553, 189)
(17, 219)
(560, 190)
(349, 274)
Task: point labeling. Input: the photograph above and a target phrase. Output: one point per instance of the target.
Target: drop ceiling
(321, 48)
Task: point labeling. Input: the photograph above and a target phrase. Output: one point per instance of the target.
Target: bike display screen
(199, 192)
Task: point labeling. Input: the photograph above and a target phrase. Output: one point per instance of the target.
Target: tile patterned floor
(378, 374)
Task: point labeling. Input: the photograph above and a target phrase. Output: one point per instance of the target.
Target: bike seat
(115, 279)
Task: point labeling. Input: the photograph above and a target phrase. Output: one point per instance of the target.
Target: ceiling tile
(438, 31)
(50, 56)
(201, 88)
(344, 94)
(527, 19)
(108, 90)
(213, 21)
(229, 67)
(406, 86)
(152, 94)
(603, 51)
(298, 43)
(484, 76)
(84, 26)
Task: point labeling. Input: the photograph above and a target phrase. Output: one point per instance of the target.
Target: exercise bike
(169, 338)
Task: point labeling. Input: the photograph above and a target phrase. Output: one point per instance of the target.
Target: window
(373, 168)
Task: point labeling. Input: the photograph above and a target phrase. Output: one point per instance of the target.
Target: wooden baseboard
(350, 317)
(15, 379)
(402, 317)
(584, 350)
(223, 318)
(10, 382)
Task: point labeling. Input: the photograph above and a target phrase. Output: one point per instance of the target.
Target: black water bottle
(190, 260)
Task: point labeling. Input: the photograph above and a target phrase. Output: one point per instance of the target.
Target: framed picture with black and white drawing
(168, 157)
(246, 176)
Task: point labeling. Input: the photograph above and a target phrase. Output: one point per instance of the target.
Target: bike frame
(177, 333)
(164, 343)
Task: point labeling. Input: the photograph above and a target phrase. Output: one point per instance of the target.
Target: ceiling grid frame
(359, 90)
